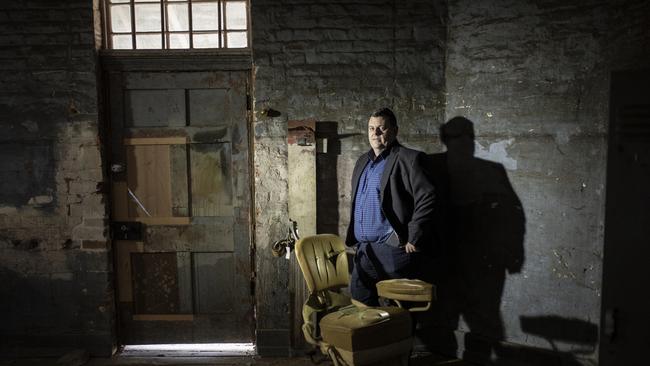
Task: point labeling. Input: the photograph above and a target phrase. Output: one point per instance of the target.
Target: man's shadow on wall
(480, 227)
(327, 183)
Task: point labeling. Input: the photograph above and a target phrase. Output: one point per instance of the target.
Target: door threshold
(172, 361)
(189, 350)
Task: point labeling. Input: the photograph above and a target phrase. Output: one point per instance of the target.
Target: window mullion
(108, 27)
(163, 25)
(133, 43)
(221, 24)
(191, 26)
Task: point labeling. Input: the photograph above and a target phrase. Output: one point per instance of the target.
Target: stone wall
(334, 62)
(55, 268)
(533, 76)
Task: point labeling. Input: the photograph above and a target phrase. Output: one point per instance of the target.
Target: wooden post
(302, 209)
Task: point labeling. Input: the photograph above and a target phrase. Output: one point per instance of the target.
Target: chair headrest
(323, 262)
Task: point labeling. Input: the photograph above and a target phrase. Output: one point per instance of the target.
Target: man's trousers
(376, 262)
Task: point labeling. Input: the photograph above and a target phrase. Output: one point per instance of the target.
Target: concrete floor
(430, 360)
(51, 356)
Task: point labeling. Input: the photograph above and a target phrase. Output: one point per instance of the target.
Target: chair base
(389, 355)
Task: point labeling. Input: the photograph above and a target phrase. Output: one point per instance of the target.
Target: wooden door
(181, 206)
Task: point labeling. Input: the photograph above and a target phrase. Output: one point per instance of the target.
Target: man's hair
(387, 115)
(456, 127)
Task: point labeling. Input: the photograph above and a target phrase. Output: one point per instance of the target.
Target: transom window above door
(176, 24)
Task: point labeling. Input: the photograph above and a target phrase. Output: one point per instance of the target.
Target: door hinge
(610, 326)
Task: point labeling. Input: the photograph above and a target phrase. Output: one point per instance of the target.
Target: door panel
(155, 108)
(155, 283)
(211, 180)
(212, 272)
(149, 180)
(180, 166)
(203, 108)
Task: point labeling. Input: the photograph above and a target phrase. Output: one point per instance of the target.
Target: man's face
(380, 134)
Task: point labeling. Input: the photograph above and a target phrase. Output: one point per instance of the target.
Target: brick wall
(334, 62)
(55, 267)
(534, 78)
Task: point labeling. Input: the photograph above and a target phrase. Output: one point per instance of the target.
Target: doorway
(181, 201)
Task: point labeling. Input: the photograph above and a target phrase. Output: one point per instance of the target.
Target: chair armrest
(403, 289)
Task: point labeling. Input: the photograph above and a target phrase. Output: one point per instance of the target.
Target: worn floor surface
(202, 361)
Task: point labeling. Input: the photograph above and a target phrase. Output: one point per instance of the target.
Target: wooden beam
(163, 317)
(161, 220)
(154, 141)
(124, 281)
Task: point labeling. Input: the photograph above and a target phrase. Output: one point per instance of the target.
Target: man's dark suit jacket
(407, 197)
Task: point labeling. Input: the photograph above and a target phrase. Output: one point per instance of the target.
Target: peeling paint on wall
(497, 152)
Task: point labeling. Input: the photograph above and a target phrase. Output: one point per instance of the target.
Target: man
(392, 209)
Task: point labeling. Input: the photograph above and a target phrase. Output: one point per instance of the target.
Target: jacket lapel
(356, 174)
(388, 169)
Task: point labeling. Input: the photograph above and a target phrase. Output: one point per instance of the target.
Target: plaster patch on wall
(562, 136)
(562, 270)
(497, 152)
(40, 200)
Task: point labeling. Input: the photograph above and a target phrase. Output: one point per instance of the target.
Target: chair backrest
(323, 262)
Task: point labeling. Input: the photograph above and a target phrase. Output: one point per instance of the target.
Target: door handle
(117, 167)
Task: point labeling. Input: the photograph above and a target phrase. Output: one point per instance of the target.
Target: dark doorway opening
(625, 322)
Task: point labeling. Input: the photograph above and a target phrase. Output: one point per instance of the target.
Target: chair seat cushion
(354, 329)
(406, 290)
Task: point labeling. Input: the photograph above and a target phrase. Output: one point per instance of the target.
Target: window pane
(204, 16)
(122, 42)
(211, 24)
(147, 17)
(206, 40)
(236, 15)
(179, 40)
(237, 40)
(148, 41)
(177, 17)
(121, 18)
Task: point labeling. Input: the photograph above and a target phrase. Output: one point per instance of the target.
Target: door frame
(176, 61)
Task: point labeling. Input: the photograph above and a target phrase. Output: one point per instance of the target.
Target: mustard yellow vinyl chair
(347, 333)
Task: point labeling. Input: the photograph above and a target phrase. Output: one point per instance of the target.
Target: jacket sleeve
(421, 223)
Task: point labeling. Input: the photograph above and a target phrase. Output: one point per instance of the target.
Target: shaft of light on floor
(231, 348)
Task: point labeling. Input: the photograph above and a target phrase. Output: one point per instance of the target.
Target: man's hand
(410, 248)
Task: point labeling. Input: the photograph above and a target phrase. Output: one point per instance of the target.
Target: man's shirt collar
(384, 154)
